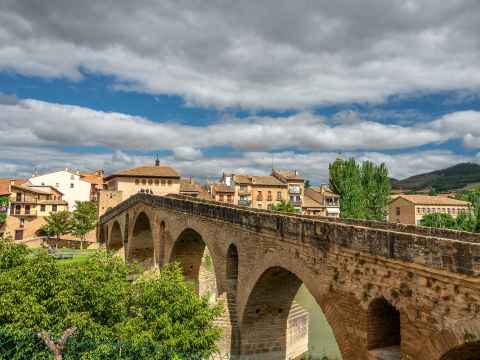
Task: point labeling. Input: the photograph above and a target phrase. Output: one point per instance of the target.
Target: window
(169, 182)
(72, 185)
(150, 181)
(163, 182)
(72, 177)
(221, 197)
(19, 196)
(269, 196)
(137, 182)
(57, 185)
(144, 182)
(398, 211)
(54, 208)
(243, 188)
(18, 210)
(42, 208)
(229, 198)
(27, 209)
(279, 195)
(22, 222)
(157, 182)
(259, 205)
(259, 196)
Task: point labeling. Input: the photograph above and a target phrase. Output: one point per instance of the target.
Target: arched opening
(275, 325)
(101, 235)
(232, 280)
(141, 244)
(191, 252)
(116, 240)
(470, 351)
(383, 328)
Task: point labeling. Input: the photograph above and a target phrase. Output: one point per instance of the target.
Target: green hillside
(465, 175)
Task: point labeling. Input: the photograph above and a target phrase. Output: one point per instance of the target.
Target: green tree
(58, 224)
(3, 208)
(84, 220)
(364, 189)
(284, 206)
(438, 220)
(471, 222)
(307, 184)
(346, 181)
(158, 316)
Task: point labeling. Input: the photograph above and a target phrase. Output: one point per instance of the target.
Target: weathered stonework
(368, 277)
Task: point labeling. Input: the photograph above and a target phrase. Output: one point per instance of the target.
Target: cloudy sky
(213, 86)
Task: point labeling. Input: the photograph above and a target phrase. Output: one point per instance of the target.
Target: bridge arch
(470, 351)
(190, 250)
(140, 246)
(383, 331)
(272, 323)
(115, 242)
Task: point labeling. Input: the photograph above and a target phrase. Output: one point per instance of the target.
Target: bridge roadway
(402, 291)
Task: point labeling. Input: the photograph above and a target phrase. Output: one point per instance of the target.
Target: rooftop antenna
(273, 161)
(157, 161)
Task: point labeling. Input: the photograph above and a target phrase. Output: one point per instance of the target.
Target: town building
(321, 201)
(189, 187)
(154, 180)
(260, 192)
(68, 182)
(225, 193)
(29, 205)
(410, 209)
(97, 182)
(296, 186)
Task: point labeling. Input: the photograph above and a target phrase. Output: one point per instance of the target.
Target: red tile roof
(147, 171)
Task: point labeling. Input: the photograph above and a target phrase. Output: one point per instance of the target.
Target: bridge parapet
(453, 251)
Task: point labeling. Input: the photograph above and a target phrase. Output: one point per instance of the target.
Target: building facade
(154, 180)
(321, 201)
(29, 205)
(410, 209)
(68, 182)
(295, 184)
(97, 182)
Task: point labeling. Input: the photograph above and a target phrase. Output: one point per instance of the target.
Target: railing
(244, 202)
(24, 213)
(294, 190)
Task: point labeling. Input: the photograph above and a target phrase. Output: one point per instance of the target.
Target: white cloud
(274, 54)
(39, 123)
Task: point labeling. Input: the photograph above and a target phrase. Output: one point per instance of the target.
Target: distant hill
(460, 176)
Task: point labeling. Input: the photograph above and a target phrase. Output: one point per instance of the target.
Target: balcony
(295, 190)
(244, 202)
(296, 203)
(24, 213)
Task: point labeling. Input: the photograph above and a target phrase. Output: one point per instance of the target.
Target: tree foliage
(364, 189)
(284, 206)
(58, 224)
(438, 220)
(158, 316)
(3, 208)
(84, 219)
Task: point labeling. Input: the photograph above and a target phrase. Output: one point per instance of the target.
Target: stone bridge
(387, 290)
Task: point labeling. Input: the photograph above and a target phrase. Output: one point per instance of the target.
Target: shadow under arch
(384, 330)
(273, 325)
(193, 255)
(469, 351)
(116, 240)
(141, 249)
(232, 284)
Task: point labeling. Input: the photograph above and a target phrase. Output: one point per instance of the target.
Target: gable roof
(5, 185)
(288, 175)
(431, 200)
(268, 180)
(147, 171)
(223, 188)
(93, 178)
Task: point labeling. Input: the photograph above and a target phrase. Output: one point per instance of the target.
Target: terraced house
(29, 205)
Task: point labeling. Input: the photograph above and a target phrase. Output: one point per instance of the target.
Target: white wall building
(69, 183)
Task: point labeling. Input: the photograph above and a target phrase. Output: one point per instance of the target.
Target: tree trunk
(57, 349)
